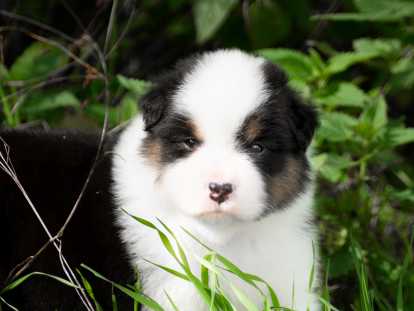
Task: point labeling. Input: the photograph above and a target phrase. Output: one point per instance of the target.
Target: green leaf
(268, 23)
(209, 15)
(336, 127)
(37, 60)
(334, 167)
(128, 108)
(400, 136)
(138, 87)
(44, 101)
(374, 11)
(296, 64)
(4, 73)
(341, 62)
(391, 7)
(344, 94)
(378, 113)
(373, 120)
(380, 47)
(405, 195)
(318, 161)
(402, 74)
(301, 87)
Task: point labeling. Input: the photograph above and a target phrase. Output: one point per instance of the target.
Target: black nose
(220, 192)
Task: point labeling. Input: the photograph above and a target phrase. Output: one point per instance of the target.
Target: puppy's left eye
(256, 148)
(190, 143)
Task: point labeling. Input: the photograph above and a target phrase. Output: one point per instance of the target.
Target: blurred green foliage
(354, 60)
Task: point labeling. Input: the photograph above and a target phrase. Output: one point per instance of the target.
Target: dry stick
(37, 24)
(41, 84)
(65, 266)
(102, 61)
(13, 274)
(7, 304)
(7, 166)
(110, 25)
(56, 239)
(80, 24)
(124, 31)
(55, 44)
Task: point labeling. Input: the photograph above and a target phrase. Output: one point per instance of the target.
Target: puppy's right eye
(256, 148)
(190, 143)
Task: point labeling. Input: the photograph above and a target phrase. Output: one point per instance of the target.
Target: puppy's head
(227, 137)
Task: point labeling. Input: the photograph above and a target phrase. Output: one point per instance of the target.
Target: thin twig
(21, 267)
(55, 44)
(110, 25)
(7, 304)
(37, 24)
(124, 32)
(7, 166)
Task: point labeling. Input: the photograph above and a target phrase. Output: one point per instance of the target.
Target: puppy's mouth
(214, 214)
(217, 214)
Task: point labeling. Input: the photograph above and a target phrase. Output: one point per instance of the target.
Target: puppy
(219, 149)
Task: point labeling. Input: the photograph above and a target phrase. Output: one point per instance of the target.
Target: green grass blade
(114, 301)
(89, 291)
(196, 239)
(19, 281)
(327, 305)
(169, 270)
(246, 302)
(171, 302)
(145, 300)
(325, 291)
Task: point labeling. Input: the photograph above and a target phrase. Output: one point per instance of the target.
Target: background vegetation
(59, 66)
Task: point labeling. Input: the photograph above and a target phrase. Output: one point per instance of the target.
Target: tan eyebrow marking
(195, 130)
(252, 128)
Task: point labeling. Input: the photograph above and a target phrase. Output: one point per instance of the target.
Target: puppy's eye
(256, 148)
(190, 143)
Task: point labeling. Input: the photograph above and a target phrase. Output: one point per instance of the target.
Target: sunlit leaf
(36, 61)
(209, 15)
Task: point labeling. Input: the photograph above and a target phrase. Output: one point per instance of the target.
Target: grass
(210, 283)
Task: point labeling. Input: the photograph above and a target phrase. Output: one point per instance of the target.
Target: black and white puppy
(219, 149)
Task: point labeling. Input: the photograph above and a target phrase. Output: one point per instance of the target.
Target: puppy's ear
(158, 101)
(153, 106)
(302, 118)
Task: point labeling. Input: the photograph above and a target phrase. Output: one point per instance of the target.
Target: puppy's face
(227, 137)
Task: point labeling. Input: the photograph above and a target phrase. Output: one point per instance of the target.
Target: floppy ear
(303, 120)
(153, 106)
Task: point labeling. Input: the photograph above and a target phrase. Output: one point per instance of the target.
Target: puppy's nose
(219, 192)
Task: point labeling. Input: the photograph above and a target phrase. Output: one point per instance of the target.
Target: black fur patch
(170, 137)
(283, 126)
(52, 167)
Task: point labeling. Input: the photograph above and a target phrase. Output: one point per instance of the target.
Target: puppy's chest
(252, 255)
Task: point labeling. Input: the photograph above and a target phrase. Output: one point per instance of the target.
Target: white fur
(224, 87)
